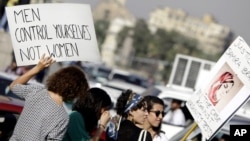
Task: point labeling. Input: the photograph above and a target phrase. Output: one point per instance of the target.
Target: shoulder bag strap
(143, 135)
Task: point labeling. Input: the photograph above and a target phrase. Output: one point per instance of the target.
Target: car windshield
(4, 88)
(103, 72)
(120, 77)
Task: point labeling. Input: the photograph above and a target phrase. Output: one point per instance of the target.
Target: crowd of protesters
(45, 118)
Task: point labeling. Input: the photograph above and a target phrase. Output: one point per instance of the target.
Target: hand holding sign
(45, 62)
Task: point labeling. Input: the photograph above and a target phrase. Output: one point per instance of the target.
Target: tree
(122, 36)
(141, 38)
(160, 45)
(101, 27)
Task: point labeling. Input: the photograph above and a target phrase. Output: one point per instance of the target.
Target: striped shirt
(42, 119)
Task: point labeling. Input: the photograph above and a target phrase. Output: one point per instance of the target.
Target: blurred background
(164, 48)
(144, 37)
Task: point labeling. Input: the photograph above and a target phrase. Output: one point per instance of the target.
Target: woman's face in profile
(140, 115)
(224, 90)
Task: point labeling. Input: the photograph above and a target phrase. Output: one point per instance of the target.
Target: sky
(232, 13)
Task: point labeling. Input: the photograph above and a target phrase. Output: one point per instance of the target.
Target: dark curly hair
(69, 82)
(90, 107)
(122, 101)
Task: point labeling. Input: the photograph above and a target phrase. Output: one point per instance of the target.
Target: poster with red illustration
(225, 90)
(225, 85)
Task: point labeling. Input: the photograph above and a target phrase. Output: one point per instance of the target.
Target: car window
(4, 88)
(120, 77)
(103, 72)
(188, 117)
(167, 103)
(3, 84)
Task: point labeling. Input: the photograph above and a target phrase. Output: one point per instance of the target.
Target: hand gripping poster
(225, 90)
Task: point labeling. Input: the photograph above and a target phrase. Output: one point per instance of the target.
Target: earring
(133, 121)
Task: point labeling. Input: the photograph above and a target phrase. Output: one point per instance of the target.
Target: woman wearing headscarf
(132, 113)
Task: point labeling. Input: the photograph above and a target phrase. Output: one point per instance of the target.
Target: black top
(129, 132)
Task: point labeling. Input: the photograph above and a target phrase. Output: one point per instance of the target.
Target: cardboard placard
(64, 31)
(225, 90)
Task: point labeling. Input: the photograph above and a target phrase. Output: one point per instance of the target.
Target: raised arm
(105, 117)
(42, 64)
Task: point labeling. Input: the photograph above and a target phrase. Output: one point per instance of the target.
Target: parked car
(121, 86)
(103, 74)
(128, 77)
(6, 79)
(10, 109)
(11, 105)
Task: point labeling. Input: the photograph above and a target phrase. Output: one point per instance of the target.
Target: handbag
(143, 135)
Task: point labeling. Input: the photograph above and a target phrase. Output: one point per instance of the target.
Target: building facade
(211, 36)
(118, 15)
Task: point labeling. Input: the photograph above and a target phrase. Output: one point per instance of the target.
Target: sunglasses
(157, 113)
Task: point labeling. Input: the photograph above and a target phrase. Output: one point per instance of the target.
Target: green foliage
(162, 45)
(121, 36)
(101, 27)
(141, 38)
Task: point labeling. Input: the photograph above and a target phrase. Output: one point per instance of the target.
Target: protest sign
(64, 31)
(225, 90)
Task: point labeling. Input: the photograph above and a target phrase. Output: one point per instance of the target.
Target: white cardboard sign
(64, 31)
(224, 91)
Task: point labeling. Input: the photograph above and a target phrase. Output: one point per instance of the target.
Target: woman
(155, 108)
(221, 87)
(86, 114)
(132, 110)
(43, 116)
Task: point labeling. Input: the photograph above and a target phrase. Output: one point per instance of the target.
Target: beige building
(111, 9)
(212, 37)
(109, 46)
(5, 50)
(119, 16)
(46, 1)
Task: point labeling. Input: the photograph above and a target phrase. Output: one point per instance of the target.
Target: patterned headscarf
(131, 103)
(114, 124)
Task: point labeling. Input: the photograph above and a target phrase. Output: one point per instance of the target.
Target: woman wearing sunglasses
(155, 107)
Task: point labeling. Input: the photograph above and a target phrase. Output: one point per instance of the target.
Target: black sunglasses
(157, 113)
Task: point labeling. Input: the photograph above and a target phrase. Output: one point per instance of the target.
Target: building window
(187, 71)
(193, 74)
(207, 67)
(180, 70)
